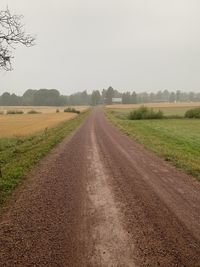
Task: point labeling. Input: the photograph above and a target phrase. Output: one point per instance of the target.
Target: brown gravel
(100, 199)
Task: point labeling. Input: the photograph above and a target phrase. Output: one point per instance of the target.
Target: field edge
(24, 153)
(117, 122)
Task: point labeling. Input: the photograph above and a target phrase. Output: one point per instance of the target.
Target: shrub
(33, 112)
(57, 110)
(72, 110)
(193, 113)
(14, 112)
(144, 113)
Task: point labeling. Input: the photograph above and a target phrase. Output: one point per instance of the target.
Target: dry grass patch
(156, 105)
(40, 109)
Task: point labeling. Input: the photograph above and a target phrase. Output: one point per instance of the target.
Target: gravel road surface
(100, 199)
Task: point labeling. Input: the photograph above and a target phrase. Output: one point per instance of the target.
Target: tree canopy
(52, 97)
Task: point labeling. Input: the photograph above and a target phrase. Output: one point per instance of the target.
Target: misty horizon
(129, 45)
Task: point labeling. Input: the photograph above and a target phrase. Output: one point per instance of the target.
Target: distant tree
(191, 96)
(178, 95)
(45, 97)
(11, 33)
(95, 98)
(15, 100)
(5, 99)
(172, 97)
(109, 95)
(152, 97)
(159, 96)
(103, 95)
(28, 97)
(126, 98)
(144, 97)
(165, 95)
(134, 98)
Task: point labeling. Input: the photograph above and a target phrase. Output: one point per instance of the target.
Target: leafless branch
(11, 33)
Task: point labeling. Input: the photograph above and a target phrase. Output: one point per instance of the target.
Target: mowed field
(25, 124)
(168, 108)
(176, 140)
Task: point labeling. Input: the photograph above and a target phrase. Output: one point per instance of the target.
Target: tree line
(52, 97)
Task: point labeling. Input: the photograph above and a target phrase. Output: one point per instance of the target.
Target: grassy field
(168, 109)
(176, 140)
(19, 154)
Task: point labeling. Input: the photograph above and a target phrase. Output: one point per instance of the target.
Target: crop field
(41, 109)
(25, 124)
(167, 108)
(20, 125)
(176, 140)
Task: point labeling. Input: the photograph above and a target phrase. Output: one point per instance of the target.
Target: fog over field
(92, 44)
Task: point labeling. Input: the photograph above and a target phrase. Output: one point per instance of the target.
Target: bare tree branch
(11, 33)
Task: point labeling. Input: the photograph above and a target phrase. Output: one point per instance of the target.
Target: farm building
(117, 100)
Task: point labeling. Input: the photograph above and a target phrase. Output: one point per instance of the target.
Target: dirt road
(100, 199)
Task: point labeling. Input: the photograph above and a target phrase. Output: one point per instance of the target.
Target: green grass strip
(176, 140)
(19, 154)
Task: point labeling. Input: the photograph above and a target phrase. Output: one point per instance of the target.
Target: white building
(117, 100)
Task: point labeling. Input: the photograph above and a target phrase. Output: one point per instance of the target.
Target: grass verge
(19, 154)
(176, 140)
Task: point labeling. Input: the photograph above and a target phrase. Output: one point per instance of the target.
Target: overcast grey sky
(91, 44)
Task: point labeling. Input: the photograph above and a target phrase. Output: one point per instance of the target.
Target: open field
(20, 125)
(42, 109)
(177, 140)
(24, 124)
(19, 154)
(167, 108)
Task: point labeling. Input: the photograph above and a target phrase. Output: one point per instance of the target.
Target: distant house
(117, 100)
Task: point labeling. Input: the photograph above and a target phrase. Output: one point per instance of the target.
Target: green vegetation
(193, 113)
(11, 112)
(19, 154)
(144, 113)
(52, 97)
(167, 111)
(33, 112)
(72, 110)
(176, 140)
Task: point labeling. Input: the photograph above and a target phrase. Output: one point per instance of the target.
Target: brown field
(20, 125)
(155, 105)
(41, 109)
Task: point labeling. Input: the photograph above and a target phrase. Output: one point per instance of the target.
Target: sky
(142, 45)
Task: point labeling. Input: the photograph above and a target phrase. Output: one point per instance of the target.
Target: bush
(57, 110)
(193, 113)
(14, 112)
(72, 110)
(33, 112)
(144, 113)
